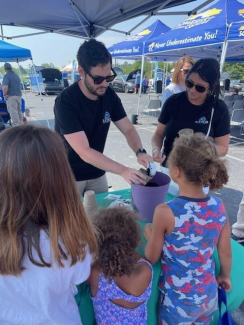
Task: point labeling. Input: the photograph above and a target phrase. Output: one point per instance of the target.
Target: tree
(236, 70)
(22, 70)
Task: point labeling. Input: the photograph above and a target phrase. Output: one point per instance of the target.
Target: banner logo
(144, 32)
(241, 31)
(241, 12)
(199, 19)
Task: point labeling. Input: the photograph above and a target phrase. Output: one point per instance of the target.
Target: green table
(235, 296)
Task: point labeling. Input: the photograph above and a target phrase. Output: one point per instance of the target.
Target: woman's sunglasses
(185, 71)
(190, 84)
(99, 79)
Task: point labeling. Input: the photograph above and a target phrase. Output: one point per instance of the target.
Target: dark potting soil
(152, 184)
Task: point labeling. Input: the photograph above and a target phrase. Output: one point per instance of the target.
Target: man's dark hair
(7, 66)
(92, 53)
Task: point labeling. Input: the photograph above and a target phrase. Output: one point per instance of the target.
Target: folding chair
(237, 119)
(237, 97)
(153, 107)
(4, 113)
(230, 106)
(229, 98)
(238, 104)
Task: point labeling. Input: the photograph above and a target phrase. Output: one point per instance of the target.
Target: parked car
(239, 84)
(26, 85)
(121, 83)
(52, 80)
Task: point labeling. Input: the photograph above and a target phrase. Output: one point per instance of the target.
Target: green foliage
(148, 67)
(49, 65)
(236, 70)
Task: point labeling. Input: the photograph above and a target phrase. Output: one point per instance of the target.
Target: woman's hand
(156, 154)
(144, 159)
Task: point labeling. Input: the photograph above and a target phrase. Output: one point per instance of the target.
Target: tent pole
(223, 55)
(142, 68)
(23, 85)
(2, 32)
(33, 66)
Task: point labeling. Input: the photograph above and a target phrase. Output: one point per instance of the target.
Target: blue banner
(206, 28)
(133, 45)
(35, 80)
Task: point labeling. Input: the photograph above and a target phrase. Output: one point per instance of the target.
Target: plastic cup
(90, 203)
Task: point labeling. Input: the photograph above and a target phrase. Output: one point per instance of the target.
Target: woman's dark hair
(38, 191)
(197, 157)
(119, 236)
(209, 70)
(92, 53)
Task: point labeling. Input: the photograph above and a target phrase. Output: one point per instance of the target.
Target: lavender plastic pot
(145, 199)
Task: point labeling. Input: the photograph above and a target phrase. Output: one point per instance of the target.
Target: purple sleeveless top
(108, 313)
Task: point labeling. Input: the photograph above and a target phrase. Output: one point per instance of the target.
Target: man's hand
(143, 159)
(156, 153)
(134, 176)
(5, 96)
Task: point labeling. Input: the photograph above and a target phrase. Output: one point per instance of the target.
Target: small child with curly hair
(120, 280)
(185, 232)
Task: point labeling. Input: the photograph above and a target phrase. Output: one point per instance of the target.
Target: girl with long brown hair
(46, 241)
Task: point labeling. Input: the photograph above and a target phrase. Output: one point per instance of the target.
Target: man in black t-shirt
(83, 113)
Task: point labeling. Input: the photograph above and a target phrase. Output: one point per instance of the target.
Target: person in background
(46, 241)
(222, 91)
(83, 113)
(65, 79)
(12, 94)
(235, 92)
(177, 85)
(168, 81)
(185, 232)
(238, 226)
(144, 85)
(121, 281)
(137, 82)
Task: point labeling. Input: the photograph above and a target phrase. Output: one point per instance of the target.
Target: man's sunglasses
(190, 84)
(185, 71)
(99, 79)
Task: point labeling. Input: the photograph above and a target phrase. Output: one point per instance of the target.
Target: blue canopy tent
(202, 35)
(13, 53)
(133, 47)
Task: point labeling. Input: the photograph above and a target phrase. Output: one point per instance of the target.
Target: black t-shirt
(178, 113)
(74, 112)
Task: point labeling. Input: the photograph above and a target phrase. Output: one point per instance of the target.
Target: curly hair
(92, 53)
(119, 235)
(197, 157)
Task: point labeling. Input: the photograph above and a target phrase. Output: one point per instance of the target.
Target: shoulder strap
(210, 123)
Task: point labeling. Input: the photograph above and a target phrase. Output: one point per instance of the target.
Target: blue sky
(60, 50)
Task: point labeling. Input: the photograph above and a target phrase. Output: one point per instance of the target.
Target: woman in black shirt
(198, 108)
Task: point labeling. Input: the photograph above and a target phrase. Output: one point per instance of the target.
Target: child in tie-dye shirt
(185, 232)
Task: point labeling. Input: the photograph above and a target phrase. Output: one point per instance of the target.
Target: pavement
(41, 110)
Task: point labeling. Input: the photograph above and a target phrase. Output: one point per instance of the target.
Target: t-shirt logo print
(107, 118)
(202, 120)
